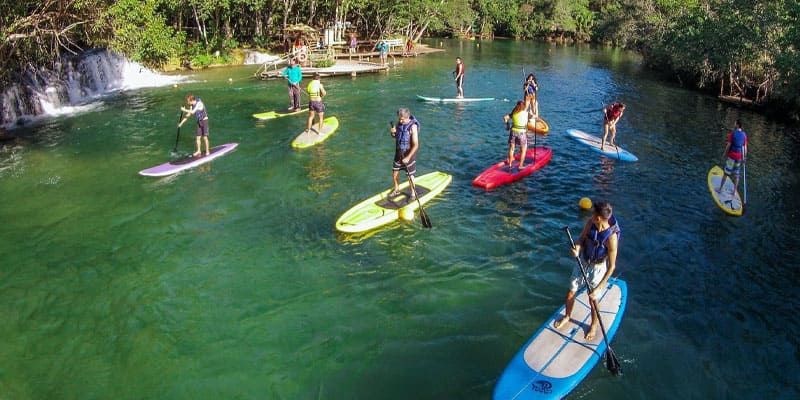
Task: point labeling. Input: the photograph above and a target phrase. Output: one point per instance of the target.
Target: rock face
(71, 82)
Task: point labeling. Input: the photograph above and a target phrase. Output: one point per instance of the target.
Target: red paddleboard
(500, 174)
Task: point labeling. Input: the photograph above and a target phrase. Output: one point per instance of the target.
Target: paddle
(744, 183)
(612, 363)
(423, 216)
(178, 134)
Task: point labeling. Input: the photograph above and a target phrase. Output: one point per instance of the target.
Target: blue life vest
(737, 141)
(594, 248)
(403, 135)
(200, 114)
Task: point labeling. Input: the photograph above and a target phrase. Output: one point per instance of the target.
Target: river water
(229, 281)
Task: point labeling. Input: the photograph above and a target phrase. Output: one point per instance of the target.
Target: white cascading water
(72, 85)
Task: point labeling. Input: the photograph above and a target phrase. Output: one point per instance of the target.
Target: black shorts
(397, 165)
(317, 106)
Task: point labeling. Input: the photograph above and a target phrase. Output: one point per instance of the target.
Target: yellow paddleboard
(379, 210)
(728, 200)
(275, 114)
(312, 137)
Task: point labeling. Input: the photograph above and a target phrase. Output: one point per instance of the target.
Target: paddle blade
(612, 363)
(426, 221)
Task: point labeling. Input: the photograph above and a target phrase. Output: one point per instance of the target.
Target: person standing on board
(735, 152)
(315, 92)
(611, 116)
(197, 108)
(406, 135)
(294, 74)
(597, 246)
(518, 133)
(459, 74)
(530, 87)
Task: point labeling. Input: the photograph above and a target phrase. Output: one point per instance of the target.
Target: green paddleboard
(275, 114)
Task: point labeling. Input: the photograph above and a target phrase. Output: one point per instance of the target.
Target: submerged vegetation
(743, 48)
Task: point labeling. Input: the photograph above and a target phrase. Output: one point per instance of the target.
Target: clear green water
(229, 282)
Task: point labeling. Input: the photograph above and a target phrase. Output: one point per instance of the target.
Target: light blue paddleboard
(452, 99)
(593, 142)
(173, 167)
(553, 362)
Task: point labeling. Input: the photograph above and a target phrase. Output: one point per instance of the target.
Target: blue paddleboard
(553, 362)
(593, 142)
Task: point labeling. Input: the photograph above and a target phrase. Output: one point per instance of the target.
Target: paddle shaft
(178, 134)
(744, 181)
(611, 362)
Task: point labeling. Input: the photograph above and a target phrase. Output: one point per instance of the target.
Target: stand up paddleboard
(275, 114)
(541, 127)
(593, 142)
(174, 167)
(728, 200)
(380, 210)
(501, 174)
(553, 362)
(452, 99)
(312, 137)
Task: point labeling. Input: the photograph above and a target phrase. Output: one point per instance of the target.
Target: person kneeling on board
(197, 108)
(406, 135)
(518, 133)
(315, 92)
(597, 246)
(735, 151)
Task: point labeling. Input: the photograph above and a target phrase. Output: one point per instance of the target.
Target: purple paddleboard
(176, 166)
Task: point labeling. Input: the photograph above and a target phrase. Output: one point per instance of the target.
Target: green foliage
(324, 63)
(141, 33)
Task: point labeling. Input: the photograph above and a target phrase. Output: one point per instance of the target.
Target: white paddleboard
(609, 150)
(452, 99)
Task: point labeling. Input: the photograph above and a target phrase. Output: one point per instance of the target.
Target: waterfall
(72, 85)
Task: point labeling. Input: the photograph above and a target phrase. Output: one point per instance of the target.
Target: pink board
(500, 173)
(176, 166)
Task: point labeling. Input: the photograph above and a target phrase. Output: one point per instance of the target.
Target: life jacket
(201, 113)
(313, 89)
(530, 88)
(519, 122)
(594, 248)
(738, 140)
(403, 134)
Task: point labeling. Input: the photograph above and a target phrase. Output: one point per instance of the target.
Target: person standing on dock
(597, 246)
(315, 92)
(197, 108)
(735, 152)
(406, 135)
(383, 50)
(459, 74)
(294, 74)
(611, 116)
(353, 43)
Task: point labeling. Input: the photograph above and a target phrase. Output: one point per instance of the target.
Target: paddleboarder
(735, 152)
(294, 74)
(517, 135)
(406, 135)
(611, 116)
(597, 246)
(530, 87)
(197, 108)
(315, 92)
(459, 75)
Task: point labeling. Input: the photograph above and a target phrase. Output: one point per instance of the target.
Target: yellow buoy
(406, 214)
(585, 203)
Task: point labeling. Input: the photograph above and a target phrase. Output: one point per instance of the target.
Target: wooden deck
(419, 49)
(342, 67)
